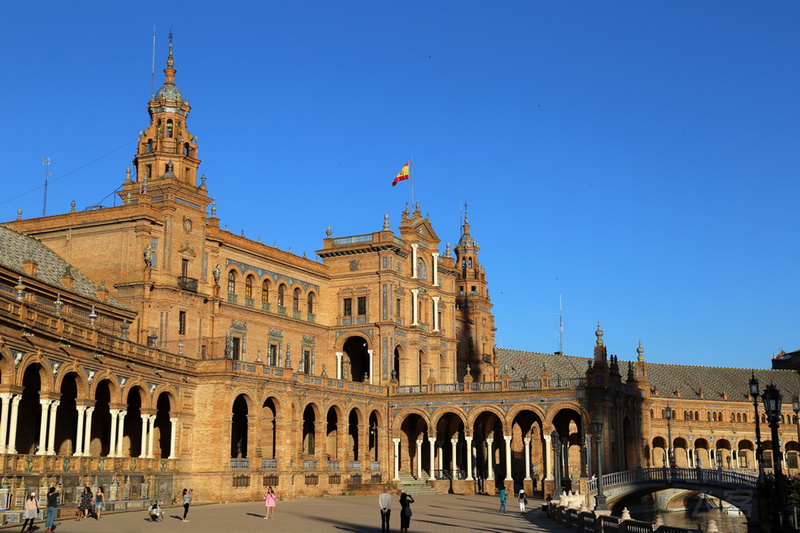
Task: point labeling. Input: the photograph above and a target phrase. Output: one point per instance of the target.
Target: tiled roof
(16, 247)
(666, 381)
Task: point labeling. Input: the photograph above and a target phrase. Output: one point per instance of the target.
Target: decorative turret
(477, 343)
(167, 152)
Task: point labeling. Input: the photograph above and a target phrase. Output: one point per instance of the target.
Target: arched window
(422, 269)
(744, 418)
(169, 128)
(248, 287)
(281, 290)
(296, 300)
(310, 303)
(231, 282)
(264, 292)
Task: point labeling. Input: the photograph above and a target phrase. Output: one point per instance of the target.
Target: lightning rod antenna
(153, 68)
(560, 326)
(46, 163)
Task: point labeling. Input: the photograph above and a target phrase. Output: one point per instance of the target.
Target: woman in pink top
(270, 499)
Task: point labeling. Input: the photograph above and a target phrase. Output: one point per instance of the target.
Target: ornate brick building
(144, 348)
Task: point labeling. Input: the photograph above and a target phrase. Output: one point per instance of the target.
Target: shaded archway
(527, 437)
(309, 430)
(489, 461)
(101, 421)
(568, 438)
(332, 433)
(30, 411)
(413, 428)
(133, 424)
(358, 356)
(67, 419)
(269, 429)
(239, 427)
(354, 423)
(163, 426)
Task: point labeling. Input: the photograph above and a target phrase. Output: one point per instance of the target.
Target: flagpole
(411, 180)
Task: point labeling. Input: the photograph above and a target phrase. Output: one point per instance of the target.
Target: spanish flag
(402, 175)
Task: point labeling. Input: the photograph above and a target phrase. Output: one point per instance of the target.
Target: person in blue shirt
(503, 498)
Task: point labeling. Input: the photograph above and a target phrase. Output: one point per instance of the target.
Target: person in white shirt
(385, 503)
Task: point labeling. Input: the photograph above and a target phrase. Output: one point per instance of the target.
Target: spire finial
(386, 222)
(170, 60)
(599, 335)
(466, 216)
(640, 351)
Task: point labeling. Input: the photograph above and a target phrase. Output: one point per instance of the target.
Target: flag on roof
(402, 175)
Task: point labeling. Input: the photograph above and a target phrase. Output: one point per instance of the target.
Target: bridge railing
(726, 478)
(589, 522)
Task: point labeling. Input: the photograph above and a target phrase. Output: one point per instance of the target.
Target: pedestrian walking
(269, 500)
(99, 500)
(52, 509)
(523, 501)
(503, 498)
(85, 503)
(385, 503)
(31, 512)
(187, 501)
(405, 511)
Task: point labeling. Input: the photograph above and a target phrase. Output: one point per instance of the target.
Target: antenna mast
(153, 68)
(46, 163)
(560, 326)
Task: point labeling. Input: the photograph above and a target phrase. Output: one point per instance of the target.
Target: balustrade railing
(269, 464)
(240, 463)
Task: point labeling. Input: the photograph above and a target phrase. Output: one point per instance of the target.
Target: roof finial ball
(599, 335)
(640, 351)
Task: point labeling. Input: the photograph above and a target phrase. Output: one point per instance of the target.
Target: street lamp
(754, 392)
(558, 470)
(670, 452)
(597, 424)
(772, 407)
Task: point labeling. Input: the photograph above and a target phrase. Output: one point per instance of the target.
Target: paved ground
(440, 513)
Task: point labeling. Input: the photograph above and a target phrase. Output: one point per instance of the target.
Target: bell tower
(166, 155)
(476, 340)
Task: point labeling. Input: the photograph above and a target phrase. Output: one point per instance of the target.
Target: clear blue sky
(640, 159)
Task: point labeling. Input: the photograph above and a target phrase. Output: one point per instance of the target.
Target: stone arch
(32, 361)
(528, 447)
(137, 400)
(680, 450)
(81, 383)
(414, 426)
(746, 454)
(163, 424)
(487, 431)
(8, 375)
(104, 396)
(701, 451)
(567, 436)
(114, 392)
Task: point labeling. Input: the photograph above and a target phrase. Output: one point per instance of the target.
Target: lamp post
(670, 452)
(754, 392)
(558, 470)
(772, 407)
(600, 504)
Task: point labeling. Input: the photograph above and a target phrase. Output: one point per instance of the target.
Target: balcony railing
(240, 463)
(269, 464)
(186, 283)
(355, 465)
(309, 464)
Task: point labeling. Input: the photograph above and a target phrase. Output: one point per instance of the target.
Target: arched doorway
(309, 430)
(239, 427)
(269, 429)
(67, 419)
(30, 412)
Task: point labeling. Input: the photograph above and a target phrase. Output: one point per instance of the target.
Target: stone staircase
(412, 486)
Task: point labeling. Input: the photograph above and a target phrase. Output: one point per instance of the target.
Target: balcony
(185, 283)
(240, 463)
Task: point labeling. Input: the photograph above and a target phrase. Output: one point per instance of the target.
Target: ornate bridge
(732, 486)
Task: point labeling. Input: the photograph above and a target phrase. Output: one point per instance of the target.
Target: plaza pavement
(438, 513)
